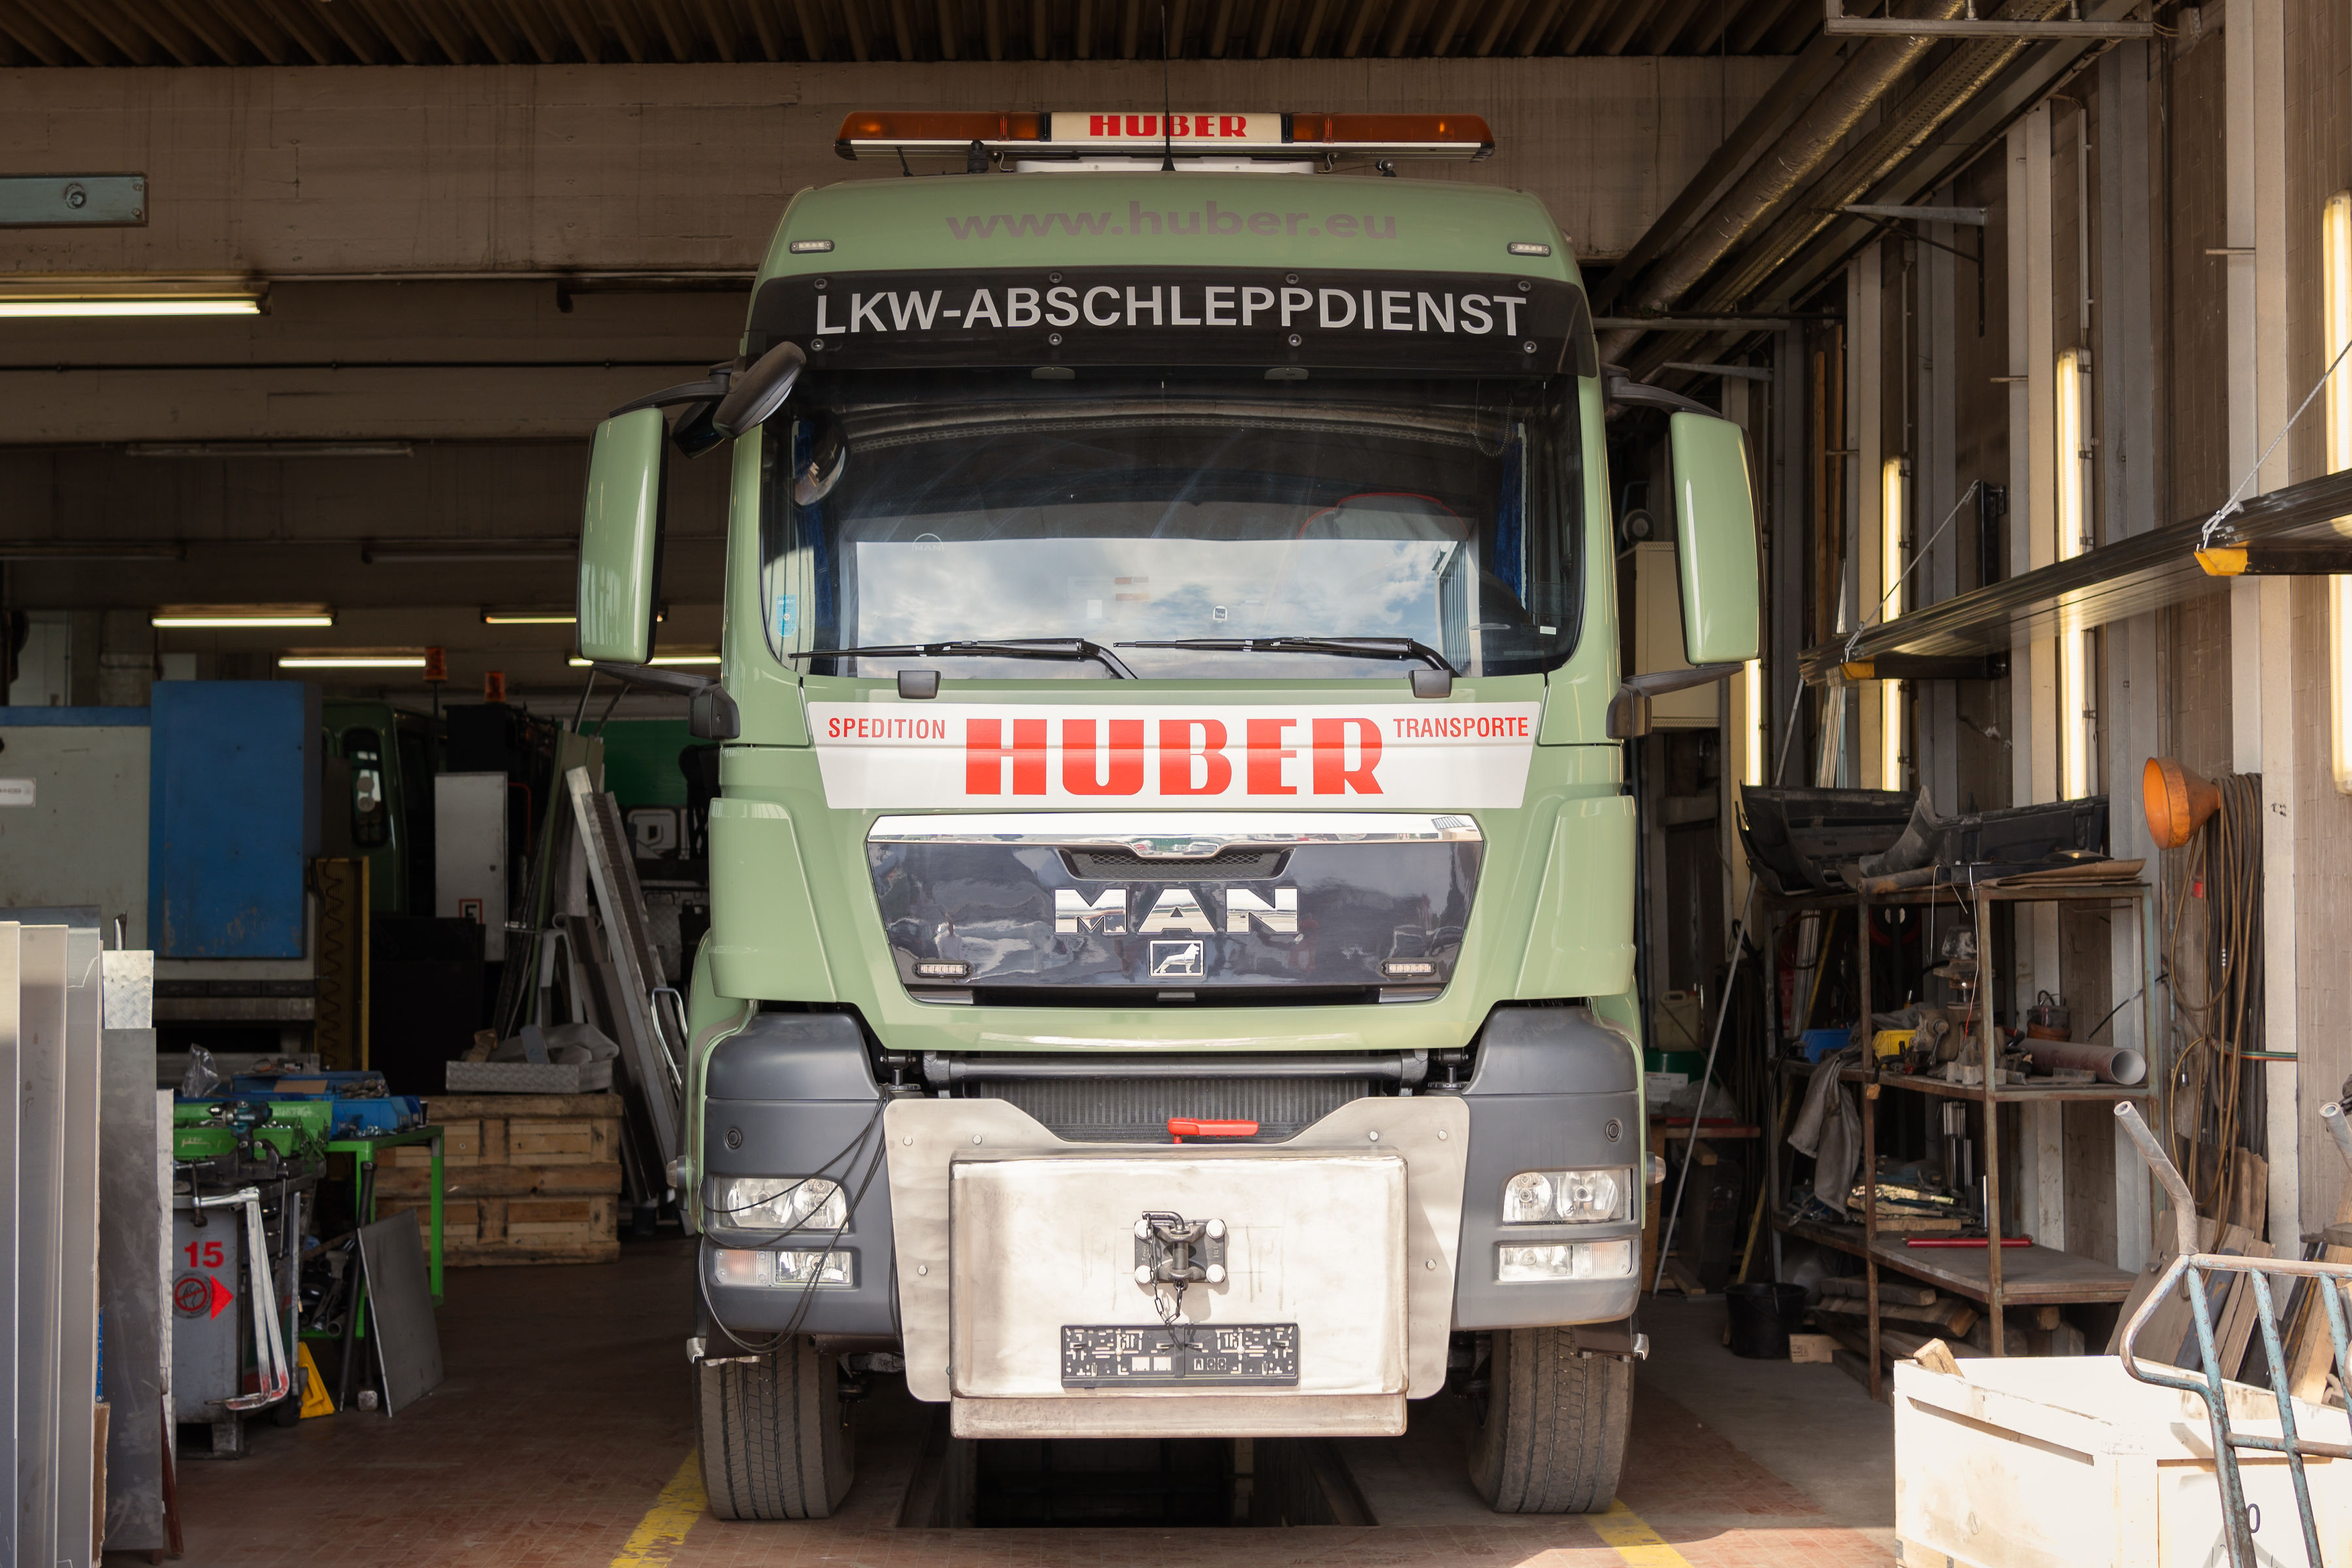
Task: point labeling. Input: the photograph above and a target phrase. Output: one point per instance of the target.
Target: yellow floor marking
(1635, 1542)
(664, 1528)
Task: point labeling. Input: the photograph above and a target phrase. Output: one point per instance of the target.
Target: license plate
(1260, 1354)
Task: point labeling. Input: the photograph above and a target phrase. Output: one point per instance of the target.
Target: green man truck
(1171, 957)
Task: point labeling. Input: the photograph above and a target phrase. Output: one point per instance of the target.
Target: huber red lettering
(1177, 755)
(1332, 774)
(1266, 755)
(985, 755)
(1083, 774)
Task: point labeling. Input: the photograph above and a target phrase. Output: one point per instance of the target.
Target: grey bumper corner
(1554, 1088)
(793, 1094)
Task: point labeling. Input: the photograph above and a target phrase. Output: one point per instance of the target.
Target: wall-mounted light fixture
(1751, 755)
(2336, 311)
(2077, 712)
(175, 617)
(1893, 510)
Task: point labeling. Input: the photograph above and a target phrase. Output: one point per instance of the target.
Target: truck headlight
(778, 1202)
(781, 1267)
(1571, 1197)
(1565, 1260)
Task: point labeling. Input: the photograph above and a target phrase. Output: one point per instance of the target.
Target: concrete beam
(422, 360)
(469, 170)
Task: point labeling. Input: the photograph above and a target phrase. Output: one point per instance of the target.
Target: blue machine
(233, 816)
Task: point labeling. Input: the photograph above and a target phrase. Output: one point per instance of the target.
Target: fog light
(773, 1268)
(1566, 1260)
(941, 969)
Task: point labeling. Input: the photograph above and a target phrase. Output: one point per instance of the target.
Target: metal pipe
(2184, 1207)
(1778, 172)
(2117, 1065)
(2331, 1116)
(1805, 75)
(1909, 126)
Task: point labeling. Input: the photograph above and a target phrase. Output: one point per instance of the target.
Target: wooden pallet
(526, 1178)
(522, 1230)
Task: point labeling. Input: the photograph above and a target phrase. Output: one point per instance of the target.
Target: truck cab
(1173, 879)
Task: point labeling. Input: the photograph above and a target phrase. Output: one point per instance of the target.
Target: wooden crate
(526, 1178)
(521, 1130)
(521, 1230)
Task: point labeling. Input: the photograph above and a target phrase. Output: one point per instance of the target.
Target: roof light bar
(1187, 134)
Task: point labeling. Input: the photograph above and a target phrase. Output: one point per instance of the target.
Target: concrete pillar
(2128, 468)
(2033, 668)
(2261, 675)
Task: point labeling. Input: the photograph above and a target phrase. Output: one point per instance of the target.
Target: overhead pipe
(1805, 76)
(1778, 172)
(1969, 70)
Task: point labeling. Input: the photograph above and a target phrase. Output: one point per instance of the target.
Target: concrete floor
(561, 1438)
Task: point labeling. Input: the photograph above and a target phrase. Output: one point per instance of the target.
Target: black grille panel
(1136, 1111)
(1234, 866)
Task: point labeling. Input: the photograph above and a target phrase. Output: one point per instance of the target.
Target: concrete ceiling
(550, 32)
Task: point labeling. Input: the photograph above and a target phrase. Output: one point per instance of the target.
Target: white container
(2069, 1462)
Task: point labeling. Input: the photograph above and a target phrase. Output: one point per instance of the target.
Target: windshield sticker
(1456, 756)
(1422, 322)
(788, 616)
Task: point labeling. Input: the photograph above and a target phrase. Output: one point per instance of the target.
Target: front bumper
(792, 1093)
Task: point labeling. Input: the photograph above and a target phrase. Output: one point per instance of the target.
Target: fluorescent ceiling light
(351, 661)
(21, 306)
(95, 550)
(547, 615)
(267, 449)
(577, 663)
(454, 553)
(182, 616)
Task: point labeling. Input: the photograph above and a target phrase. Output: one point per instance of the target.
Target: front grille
(1136, 1111)
(1120, 865)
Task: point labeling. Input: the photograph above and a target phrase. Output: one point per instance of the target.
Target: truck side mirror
(621, 537)
(1714, 535)
(758, 391)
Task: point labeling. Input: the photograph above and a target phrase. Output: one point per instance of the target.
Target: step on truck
(1171, 969)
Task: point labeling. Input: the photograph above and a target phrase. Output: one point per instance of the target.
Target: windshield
(901, 508)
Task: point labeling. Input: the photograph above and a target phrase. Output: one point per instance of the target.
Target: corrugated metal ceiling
(547, 32)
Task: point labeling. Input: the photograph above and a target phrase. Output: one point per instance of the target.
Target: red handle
(1182, 1126)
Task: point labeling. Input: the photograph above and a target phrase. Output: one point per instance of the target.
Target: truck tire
(775, 1437)
(1554, 1434)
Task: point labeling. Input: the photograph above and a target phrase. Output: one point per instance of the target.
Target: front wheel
(774, 1435)
(1554, 1437)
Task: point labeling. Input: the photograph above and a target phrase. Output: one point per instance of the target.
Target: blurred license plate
(1265, 1355)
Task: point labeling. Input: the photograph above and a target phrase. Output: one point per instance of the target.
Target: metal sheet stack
(74, 1038)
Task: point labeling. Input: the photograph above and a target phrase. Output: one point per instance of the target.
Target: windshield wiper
(1007, 647)
(1341, 647)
